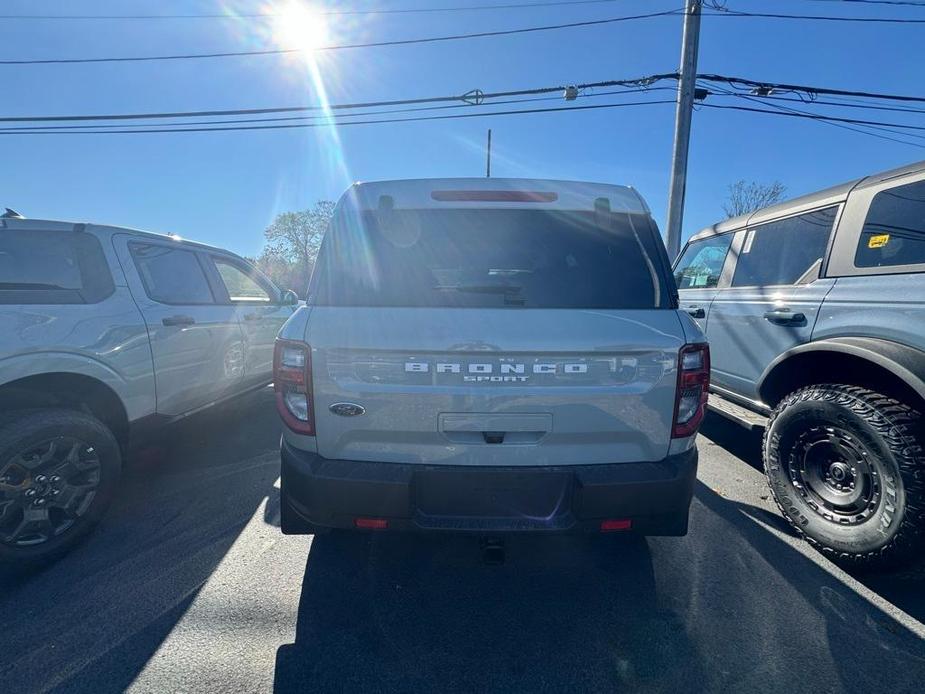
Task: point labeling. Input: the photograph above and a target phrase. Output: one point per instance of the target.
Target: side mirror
(289, 298)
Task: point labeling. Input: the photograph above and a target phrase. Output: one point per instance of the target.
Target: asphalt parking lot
(189, 586)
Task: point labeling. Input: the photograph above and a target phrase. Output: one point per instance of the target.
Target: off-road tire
(21, 430)
(891, 433)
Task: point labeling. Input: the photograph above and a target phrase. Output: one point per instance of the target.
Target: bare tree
(745, 197)
(292, 243)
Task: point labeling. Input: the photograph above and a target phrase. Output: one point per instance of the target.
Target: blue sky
(225, 188)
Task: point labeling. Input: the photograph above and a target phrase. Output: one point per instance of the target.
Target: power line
(743, 82)
(272, 15)
(842, 104)
(813, 17)
(454, 116)
(473, 97)
(815, 117)
(904, 3)
(346, 115)
(863, 130)
(477, 96)
(375, 44)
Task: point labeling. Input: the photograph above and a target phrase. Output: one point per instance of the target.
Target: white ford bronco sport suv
(106, 333)
(490, 355)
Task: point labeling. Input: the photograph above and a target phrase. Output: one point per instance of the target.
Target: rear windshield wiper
(482, 288)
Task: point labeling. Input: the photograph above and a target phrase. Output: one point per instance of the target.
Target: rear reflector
(493, 196)
(371, 523)
(616, 524)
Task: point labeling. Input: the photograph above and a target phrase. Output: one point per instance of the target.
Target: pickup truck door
(773, 299)
(258, 307)
(698, 272)
(196, 343)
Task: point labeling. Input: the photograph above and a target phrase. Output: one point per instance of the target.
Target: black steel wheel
(58, 472)
(847, 469)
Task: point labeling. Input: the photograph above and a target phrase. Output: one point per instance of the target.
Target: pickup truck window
(788, 251)
(702, 263)
(171, 275)
(52, 267)
(894, 232)
(491, 258)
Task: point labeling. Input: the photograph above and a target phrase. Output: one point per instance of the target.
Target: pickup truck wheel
(847, 469)
(58, 473)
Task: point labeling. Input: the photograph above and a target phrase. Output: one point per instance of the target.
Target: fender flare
(903, 361)
(22, 366)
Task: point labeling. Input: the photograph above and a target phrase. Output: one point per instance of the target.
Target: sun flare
(301, 27)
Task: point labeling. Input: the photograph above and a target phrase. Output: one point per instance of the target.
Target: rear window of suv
(52, 267)
(491, 258)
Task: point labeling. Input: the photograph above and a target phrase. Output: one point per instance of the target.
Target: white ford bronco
(490, 355)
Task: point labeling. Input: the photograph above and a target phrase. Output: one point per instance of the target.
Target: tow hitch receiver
(492, 550)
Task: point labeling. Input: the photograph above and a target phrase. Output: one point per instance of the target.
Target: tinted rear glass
(490, 259)
(39, 266)
(894, 232)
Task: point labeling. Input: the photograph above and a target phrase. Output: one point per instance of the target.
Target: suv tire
(60, 468)
(847, 469)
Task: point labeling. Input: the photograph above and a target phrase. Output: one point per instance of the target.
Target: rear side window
(52, 267)
(491, 258)
(171, 275)
(702, 263)
(894, 232)
(789, 251)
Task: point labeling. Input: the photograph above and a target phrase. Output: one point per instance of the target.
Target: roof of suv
(423, 193)
(828, 196)
(57, 225)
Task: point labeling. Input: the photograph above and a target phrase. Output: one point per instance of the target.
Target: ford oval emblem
(347, 409)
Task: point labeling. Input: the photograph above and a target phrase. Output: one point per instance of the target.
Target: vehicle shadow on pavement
(93, 620)
(730, 607)
(743, 443)
(768, 618)
(412, 613)
(903, 588)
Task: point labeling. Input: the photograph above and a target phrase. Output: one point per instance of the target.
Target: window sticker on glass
(878, 241)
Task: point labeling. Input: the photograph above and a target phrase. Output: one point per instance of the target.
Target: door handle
(178, 320)
(251, 316)
(784, 316)
(696, 312)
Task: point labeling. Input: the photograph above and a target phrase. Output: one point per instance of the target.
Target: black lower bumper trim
(655, 496)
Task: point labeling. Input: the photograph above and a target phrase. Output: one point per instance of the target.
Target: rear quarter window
(492, 258)
(894, 231)
(52, 267)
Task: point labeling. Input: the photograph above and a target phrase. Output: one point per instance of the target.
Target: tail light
(693, 389)
(292, 380)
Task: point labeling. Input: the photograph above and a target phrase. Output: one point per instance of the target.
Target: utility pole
(488, 163)
(682, 128)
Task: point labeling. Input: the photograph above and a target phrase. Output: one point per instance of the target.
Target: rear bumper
(655, 496)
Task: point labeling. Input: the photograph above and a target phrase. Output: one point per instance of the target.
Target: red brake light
(693, 390)
(371, 523)
(616, 524)
(292, 381)
(493, 196)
